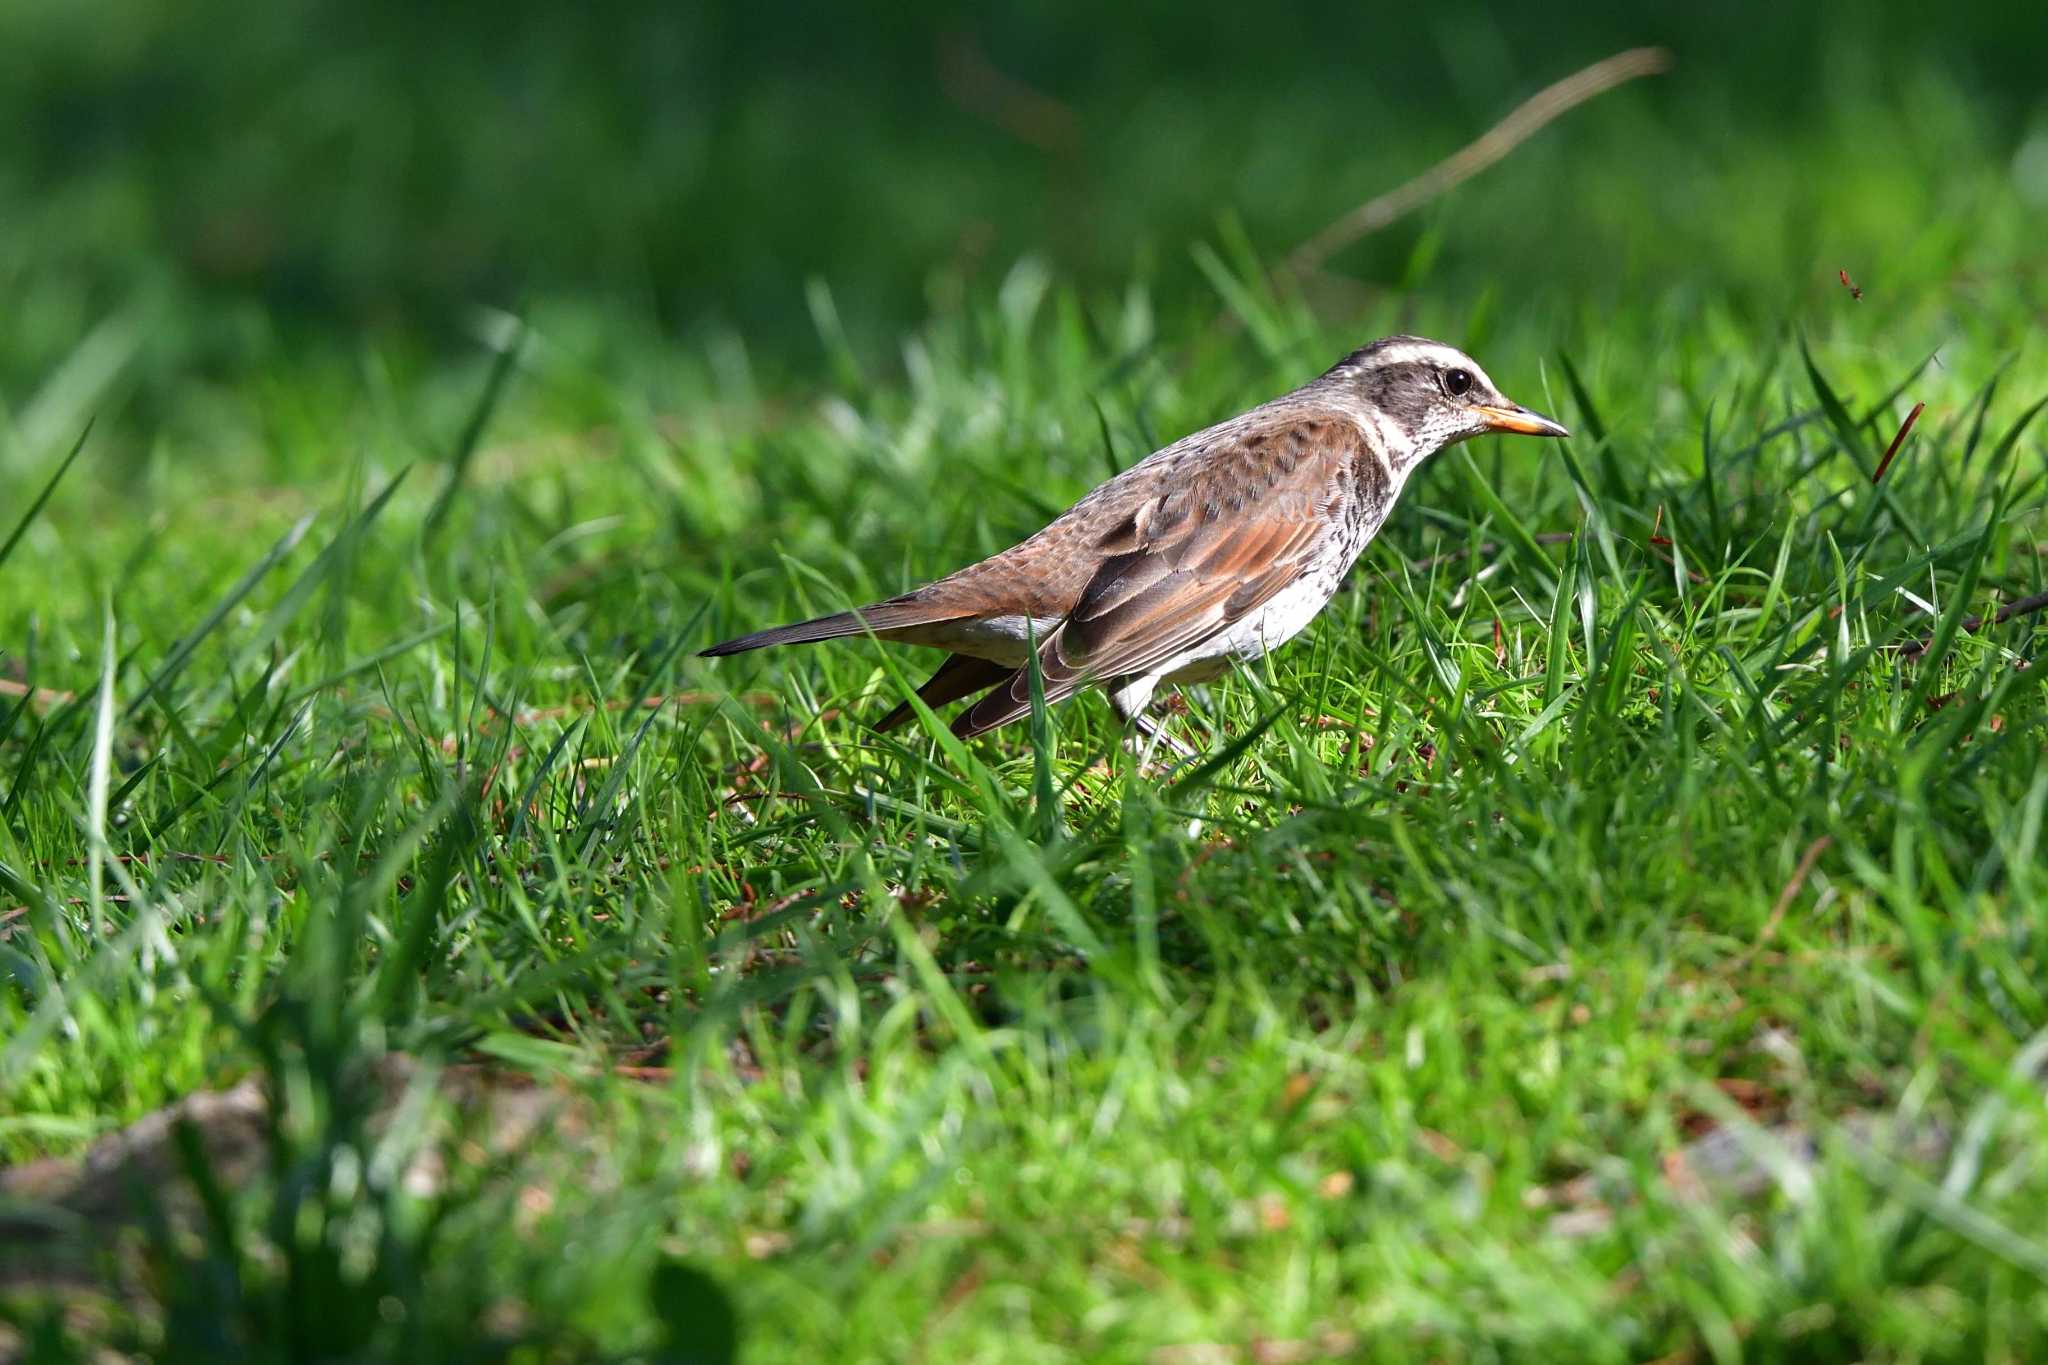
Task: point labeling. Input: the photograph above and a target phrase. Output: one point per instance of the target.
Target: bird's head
(1422, 395)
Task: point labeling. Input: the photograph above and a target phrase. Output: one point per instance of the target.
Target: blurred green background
(220, 186)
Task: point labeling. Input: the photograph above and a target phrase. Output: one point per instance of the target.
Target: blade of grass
(1615, 483)
(102, 767)
(1218, 762)
(1046, 820)
(181, 653)
(466, 444)
(36, 506)
(1516, 530)
(1930, 661)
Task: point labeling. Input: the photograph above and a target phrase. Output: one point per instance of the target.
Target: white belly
(1283, 617)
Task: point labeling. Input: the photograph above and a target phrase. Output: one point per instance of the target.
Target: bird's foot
(1155, 738)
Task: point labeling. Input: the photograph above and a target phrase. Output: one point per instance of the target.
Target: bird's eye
(1457, 383)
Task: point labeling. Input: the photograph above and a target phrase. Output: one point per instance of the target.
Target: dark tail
(960, 676)
(880, 618)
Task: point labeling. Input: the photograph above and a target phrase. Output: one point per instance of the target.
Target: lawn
(1616, 931)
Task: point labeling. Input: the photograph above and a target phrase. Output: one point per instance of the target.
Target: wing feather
(1200, 558)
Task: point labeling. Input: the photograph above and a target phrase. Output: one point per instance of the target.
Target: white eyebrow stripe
(1402, 353)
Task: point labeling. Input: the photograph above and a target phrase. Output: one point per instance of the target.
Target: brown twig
(979, 86)
(1527, 119)
(41, 696)
(1692, 574)
(2024, 606)
(1790, 893)
(175, 856)
(1897, 441)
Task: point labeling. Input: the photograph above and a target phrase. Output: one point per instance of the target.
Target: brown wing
(1200, 557)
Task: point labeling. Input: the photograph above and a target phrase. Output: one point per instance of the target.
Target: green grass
(353, 710)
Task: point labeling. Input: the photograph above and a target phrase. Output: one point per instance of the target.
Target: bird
(1208, 553)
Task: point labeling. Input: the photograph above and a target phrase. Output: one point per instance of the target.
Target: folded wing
(1186, 566)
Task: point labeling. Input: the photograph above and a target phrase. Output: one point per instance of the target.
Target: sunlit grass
(1641, 791)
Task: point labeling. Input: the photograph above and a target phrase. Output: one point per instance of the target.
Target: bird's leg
(1130, 696)
(1156, 737)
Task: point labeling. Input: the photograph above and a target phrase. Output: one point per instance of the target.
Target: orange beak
(1520, 421)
